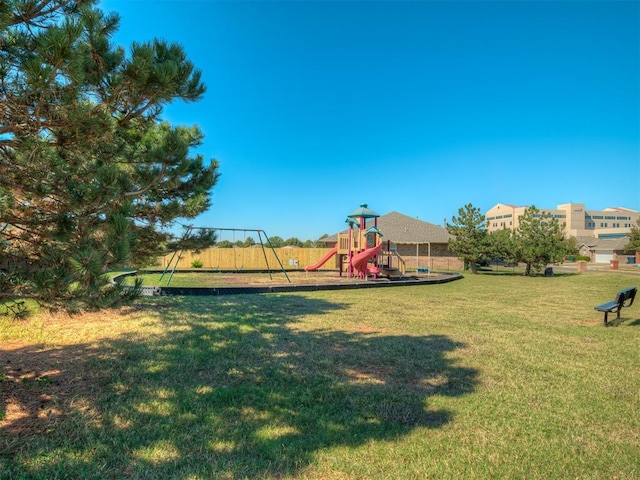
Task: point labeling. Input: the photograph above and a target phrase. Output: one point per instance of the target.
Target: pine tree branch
(41, 10)
(152, 184)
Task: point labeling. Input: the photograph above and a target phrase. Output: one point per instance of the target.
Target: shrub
(196, 264)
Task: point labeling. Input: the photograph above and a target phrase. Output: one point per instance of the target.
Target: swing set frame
(177, 255)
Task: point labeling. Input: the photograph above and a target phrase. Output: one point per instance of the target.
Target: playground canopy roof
(399, 229)
(363, 212)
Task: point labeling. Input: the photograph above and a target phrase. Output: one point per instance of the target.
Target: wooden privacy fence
(251, 258)
(292, 258)
(434, 263)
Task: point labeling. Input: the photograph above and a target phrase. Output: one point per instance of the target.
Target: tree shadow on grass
(539, 274)
(230, 389)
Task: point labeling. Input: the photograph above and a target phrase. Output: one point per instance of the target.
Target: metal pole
(277, 258)
(245, 230)
(265, 254)
(179, 251)
(168, 264)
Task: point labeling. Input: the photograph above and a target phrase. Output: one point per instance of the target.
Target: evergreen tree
(471, 238)
(193, 240)
(571, 246)
(634, 238)
(502, 245)
(89, 174)
(539, 240)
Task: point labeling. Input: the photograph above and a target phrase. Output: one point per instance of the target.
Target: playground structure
(359, 253)
(173, 262)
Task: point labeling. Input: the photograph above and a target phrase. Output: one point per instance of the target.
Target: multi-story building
(574, 217)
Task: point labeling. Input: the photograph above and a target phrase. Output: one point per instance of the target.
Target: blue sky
(313, 108)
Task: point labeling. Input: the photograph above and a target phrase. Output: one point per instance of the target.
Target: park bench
(624, 298)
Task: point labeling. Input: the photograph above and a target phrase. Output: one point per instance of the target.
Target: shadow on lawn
(232, 389)
(624, 321)
(520, 273)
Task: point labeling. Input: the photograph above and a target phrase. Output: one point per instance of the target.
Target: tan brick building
(574, 217)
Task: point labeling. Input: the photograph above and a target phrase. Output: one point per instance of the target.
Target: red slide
(359, 261)
(323, 260)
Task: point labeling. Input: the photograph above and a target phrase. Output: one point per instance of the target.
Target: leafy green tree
(248, 242)
(634, 238)
(471, 238)
(539, 240)
(276, 241)
(225, 244)
(89, 174)
(293, 242)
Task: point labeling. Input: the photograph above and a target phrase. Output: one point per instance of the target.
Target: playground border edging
(211, 291)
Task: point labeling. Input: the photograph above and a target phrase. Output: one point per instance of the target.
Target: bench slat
(607, 307)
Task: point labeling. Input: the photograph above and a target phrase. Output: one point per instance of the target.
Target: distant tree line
(196, 240)
(276, 242)
(538, 241)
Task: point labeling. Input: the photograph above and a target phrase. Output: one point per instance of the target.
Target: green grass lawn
(491, 376)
